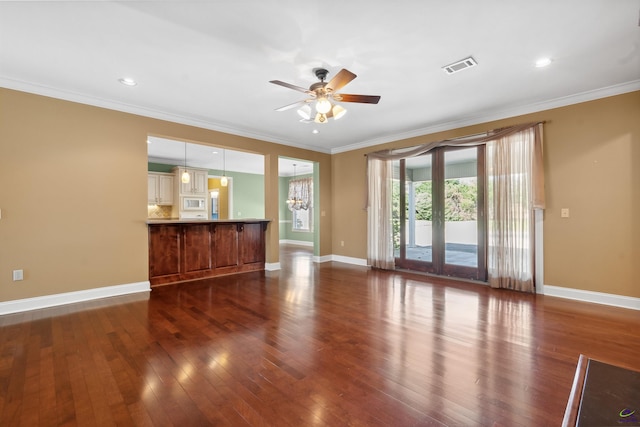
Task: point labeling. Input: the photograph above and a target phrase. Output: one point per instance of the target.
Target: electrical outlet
(564, 213)
(341, 242)
(18, 275)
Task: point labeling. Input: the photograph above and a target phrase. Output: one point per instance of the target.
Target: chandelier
(299, 194)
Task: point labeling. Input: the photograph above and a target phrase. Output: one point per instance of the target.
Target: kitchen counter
(190, 249)
(152, 221)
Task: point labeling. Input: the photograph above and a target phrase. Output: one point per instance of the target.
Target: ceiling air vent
(460, 65)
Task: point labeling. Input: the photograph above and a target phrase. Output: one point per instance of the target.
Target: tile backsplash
(158, 212)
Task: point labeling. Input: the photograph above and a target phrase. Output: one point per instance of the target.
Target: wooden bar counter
(182, 250)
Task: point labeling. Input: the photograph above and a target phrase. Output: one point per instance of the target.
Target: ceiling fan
(325, 95)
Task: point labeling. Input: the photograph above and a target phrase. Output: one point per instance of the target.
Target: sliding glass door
(438, 213)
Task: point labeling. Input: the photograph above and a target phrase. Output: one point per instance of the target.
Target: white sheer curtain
(379, 227)
(511, 200)
(504, 270)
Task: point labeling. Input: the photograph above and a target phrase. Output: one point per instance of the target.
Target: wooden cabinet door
(251, 244)
(197, 248)
(152, 189)
(164, 250)
(200, 181)
(165, 190)
(225, 245)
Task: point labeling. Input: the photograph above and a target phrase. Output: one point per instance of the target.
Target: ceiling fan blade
(366, 99)
(340, 80)
(294, 105)
(290, 86)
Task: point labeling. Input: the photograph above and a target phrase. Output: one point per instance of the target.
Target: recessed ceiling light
(315, 131)
(127, 81)
(543, 62)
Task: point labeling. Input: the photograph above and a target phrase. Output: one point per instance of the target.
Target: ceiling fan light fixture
(338, 112)
(321, 118)
(305, 112)
(323, 106)
(324, 95)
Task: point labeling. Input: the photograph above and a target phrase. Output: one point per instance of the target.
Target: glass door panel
(461, 207)
(419, 212)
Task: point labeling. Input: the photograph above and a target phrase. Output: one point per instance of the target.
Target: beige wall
(592, 167)
(73, 193)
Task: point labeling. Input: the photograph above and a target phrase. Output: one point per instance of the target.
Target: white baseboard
(272, 266)
(296, 242)
(591, 296)
(348, 260)
(36, 303)
(555, 291)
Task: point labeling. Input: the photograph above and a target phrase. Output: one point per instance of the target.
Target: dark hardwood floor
(310, 345)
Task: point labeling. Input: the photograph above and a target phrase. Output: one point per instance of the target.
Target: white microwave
(194, 203)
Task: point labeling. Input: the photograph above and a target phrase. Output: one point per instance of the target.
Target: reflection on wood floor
(313, 344)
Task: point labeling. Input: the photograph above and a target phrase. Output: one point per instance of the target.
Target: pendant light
(224, 181)
(185, 175)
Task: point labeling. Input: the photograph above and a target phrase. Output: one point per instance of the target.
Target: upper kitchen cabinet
(160, 189)
(197, 185)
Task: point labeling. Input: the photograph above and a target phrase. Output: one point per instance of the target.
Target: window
(302, 220)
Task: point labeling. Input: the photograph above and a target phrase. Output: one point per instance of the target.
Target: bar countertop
(205, 221)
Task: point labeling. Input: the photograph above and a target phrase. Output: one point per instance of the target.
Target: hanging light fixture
(185, 175)
(224, 181)
(296, 200)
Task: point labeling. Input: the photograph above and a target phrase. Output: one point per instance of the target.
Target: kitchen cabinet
(198, 182)
(187, 250)
(160, 189)
(194, 191)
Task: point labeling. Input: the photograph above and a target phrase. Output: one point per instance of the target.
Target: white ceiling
(209, 63)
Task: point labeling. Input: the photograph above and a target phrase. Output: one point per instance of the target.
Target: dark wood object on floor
(325, 344)
(195, 250)
(603, 395)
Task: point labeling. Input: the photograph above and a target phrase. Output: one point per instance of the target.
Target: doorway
(438, 213)
(299, 208)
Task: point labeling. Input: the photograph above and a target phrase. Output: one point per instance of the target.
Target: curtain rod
(461, 138)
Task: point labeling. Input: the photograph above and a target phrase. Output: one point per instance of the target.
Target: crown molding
(564, 101)
(146, 112)
(226, 128)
